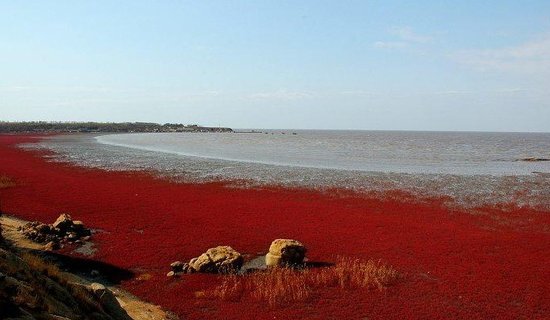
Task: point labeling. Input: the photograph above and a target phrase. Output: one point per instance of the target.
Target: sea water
(471, 167)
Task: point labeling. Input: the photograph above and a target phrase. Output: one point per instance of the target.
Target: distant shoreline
(106, 127)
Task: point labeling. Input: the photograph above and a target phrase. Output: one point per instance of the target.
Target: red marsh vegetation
(486, 263)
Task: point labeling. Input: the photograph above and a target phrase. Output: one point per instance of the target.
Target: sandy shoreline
(479, 265)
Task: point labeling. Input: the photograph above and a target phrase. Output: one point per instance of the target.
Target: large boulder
(285, 252)
(221, 259)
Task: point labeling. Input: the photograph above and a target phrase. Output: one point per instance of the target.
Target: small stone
(77, 224)
(51, 246)
(79, 228)
(43, 228)
(71, 236)
(98, 289)
(171, 274)
(177, 266)
(187, 269)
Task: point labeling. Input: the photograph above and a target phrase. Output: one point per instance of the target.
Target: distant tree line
(46, 126)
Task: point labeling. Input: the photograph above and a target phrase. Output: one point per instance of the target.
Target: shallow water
(472, 168)
(381, 151)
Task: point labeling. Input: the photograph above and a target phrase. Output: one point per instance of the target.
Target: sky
(370, 65)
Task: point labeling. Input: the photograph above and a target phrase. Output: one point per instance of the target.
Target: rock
(77, 225)
(71, 236)
(98, 289)
(285, 252)
(63, 223)
(52, 246)
(533, 159)
(180, 267)
(171, 274)
(43, 228)
(177, 266)
(187, 269)
(63, 230)
(108, 301)
(221, 259)
(203, 263)
(79, 228)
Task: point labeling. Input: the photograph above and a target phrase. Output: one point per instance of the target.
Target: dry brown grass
(6, 182)
(49, 269)
(82, 294)
(283, 285)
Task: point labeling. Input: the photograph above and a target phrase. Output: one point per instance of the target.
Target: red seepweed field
(486, 263)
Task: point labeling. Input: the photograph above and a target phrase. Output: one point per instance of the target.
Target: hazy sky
(410, 65)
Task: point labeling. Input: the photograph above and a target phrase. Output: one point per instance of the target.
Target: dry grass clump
(79, 293)
(355, 273)
(6, 182)
(283, 285)
(83, 296)
(49, 269)
(40, 288)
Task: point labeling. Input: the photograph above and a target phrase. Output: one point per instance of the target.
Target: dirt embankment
(28, 271)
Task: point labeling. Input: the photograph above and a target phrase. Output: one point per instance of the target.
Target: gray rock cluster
(63, 231)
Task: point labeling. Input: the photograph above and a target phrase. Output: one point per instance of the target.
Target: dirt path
(136, 308)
